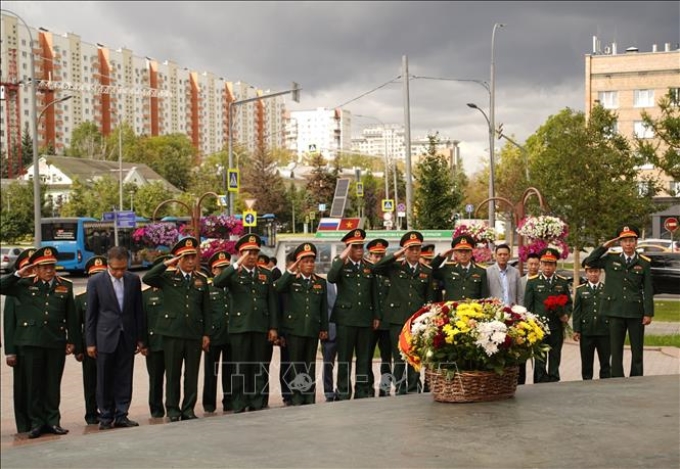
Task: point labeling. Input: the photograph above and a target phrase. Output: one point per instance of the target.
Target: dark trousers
(406, 378)
(329, 350)
(114, 382)
(522, 377)
(155, 367)
(21, 418)
(90, 389)
(250, 380)
(353, 340)
(302, 369)
(217, 361)
(617, 334)
(180, 352)
(284, 365)
(43, 369)
(552, 375)
(588, 344)
(381, 339)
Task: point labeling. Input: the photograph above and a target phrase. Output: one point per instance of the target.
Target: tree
(320, 186)
(664, 150)
(587, 173)
(262, 182)
(436, 197)
(294, 201)
(149, 196)
(172, 156)
(16, 212)
(86, 142)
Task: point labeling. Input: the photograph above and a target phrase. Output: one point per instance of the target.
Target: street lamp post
(492, 191)
(492, 124)
(34, 130)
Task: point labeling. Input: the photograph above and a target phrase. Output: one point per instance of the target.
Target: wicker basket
(472, 386)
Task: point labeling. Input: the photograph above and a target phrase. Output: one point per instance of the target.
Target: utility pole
(407, 141)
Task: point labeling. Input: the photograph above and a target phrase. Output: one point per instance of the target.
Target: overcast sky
(339, 50)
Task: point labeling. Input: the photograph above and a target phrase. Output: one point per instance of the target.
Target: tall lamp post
(492, 125)
(34, 130)
(492, 191)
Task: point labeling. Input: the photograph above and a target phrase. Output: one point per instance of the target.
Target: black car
(665, 267)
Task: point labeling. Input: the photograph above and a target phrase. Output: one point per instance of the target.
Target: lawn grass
(666, 311)
(660, 340)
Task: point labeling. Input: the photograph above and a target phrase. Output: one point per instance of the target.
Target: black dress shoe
(92, 420)
(189, 417)
(55, 429)
(125, 423)
(157, 415)
(174, 419)
(105, 426)
(209, 410)
(35, 432)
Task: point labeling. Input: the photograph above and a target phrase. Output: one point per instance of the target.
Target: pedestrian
(547, 296)
(304, 321)
(591, 329)
(381, 336)
(217, 360)
(426, 256)
(154, 307)
(410, 289)
(628, 297)
(10, 325)
(355, 314)
(46, 315)
(253, 324)
(533, 264)
(184, 324)
(93, 266)
(464, 279)
(114, 333)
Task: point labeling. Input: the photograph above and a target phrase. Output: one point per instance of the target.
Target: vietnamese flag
(349, 223)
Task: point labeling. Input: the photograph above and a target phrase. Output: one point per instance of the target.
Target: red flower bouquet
(555, 303)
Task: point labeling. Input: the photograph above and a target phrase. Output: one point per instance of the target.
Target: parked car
(665, 267)
(9, 254)
(657, 245)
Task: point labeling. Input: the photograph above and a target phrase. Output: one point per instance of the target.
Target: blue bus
(77, 239)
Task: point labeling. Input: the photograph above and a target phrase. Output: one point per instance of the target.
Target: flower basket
(472, 386)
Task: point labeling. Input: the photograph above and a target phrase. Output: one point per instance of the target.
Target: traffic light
(296, 92)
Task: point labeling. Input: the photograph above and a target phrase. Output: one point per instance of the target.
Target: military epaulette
(368, 262)
(200, 274)
(480, 266)
(560, 277)
(645, 257)
(531, 277)
(210, 281)
(62, 279)
(582, 285)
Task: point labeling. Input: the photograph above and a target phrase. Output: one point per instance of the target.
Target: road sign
(360, 189)
(671, 224)
(312, 147)
(249, 218)
(322, 207)
(469, 208)
(108, 216)
(388, 205)
(388, 223)
(126, 219)
(312, 215)
(222, 200)
(233, 180)
(401, 207)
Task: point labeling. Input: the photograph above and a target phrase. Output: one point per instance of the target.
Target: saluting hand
(399, 253)
(295, 267)
(611, 242)
(172, 261)
(26, 271)
(344, 255)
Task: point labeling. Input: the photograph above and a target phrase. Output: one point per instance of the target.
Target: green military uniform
(184, 321)
(219, 356)
(45, 316)
(461, 282)
(381, 336)
(23, 422)
(410, 289)
(427, 254)
(353, 313)
(593, 328)
(253, 313)
(538, 289)
(304, 317)
(153, 306)
(628, 296)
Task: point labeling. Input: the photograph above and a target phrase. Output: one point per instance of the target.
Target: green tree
(121, 139)
(149, 196)
(664, 150)
(320, 186)
(436, 197)
(172, 156)
(263, 182)
(587, 173)
(295, 207)
(86, 142)
(16, 212)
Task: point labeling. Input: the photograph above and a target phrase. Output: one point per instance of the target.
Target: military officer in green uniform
(253, 324)
(463, 279)
(153, 306)
(355, 313)
(549, 286)
(591, 329)
(10, 325)
(45, 318)
(426, 257)
(628, 298)
(304, 321)
(219, 356)
(410, 289)
(381, 336)
(95, 265)
(184, 324)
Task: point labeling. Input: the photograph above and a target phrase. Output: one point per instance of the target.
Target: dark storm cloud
(339, 50)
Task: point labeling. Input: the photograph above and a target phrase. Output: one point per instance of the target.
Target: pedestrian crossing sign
(388, 205)
(233, 180)
(360, 189)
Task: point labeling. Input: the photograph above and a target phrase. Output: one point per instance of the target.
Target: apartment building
(80, 81)
(328, 131)
(631, 81)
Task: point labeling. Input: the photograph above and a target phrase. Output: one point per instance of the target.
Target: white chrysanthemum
(491, 334)
(518, 309)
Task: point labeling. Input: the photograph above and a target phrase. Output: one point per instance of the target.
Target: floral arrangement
(542, 232)
(482, 236)
(211, 246)
(156, 234)
(555, 302)
(475, 335)
(216, 226)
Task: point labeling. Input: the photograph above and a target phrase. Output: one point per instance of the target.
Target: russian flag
(328, 224)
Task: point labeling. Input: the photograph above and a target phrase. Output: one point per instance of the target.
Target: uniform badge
(48, 252)
(189, 243)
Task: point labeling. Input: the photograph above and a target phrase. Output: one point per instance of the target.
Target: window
(645, 188)
(641, 130)
(675, 96)
(674, 189)
(609, 99)
(643, 98)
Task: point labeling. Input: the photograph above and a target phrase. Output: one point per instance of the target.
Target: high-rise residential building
(629, 82)
(378, 140)
(113, 86)
(328, 131)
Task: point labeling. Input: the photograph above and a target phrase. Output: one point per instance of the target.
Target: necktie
(628, 259)
(187, 280)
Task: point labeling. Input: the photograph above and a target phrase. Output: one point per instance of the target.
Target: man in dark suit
(114, 332)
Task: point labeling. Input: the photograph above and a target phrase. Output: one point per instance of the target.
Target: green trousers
(353, 341)
(44, 368)
(180, 352)
(155, 367)
(250, 380)
(617, 335)
(301, 376)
